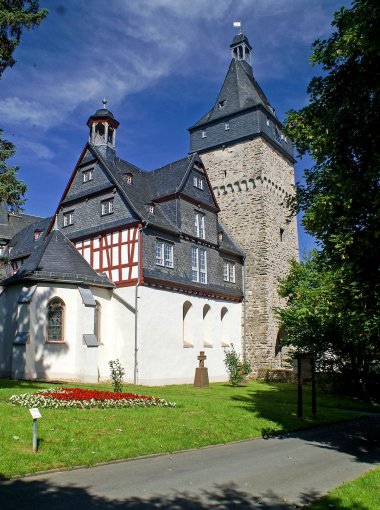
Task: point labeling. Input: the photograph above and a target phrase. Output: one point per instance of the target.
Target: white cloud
(127, 47)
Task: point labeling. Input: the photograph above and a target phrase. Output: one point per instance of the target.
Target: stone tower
(250, 164)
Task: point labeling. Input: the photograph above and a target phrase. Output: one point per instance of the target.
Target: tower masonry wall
(251, 181)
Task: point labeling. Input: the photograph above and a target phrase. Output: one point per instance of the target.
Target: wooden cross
(201, 358)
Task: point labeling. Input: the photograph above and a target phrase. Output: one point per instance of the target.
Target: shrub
(236, 368)
(117, 374)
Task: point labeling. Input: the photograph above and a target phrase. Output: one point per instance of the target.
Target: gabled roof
(239, 92)
(228, 244)
(54, 258)
(11, 223)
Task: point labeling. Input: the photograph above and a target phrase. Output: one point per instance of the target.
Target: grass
(360, 494)
(217, 415)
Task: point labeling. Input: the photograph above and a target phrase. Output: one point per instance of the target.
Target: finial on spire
(104, 102)
(237, 24)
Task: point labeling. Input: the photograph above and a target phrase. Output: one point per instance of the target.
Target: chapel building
(152, 267)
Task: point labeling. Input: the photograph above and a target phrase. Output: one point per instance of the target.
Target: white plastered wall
(163, 356)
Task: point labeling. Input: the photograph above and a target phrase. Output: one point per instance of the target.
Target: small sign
(35, 413)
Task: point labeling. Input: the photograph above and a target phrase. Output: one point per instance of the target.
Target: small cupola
(103, 127)
(241, 50)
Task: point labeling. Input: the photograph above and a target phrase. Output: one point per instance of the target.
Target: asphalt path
(277, 473)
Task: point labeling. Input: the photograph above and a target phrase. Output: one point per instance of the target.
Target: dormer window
(88, 175)
(68, 218)
(204, 133)
(220, 236)
(226, 126)
(222, 104)
(128, 178)
(107, 206)
(37, 234)
(151, 208)
(198, 182)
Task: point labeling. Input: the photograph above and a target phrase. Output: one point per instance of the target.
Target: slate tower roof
(241, 110)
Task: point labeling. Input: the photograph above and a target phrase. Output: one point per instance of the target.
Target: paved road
(276, 474)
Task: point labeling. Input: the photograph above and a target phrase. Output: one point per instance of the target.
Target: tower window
(222, 104)
(88, 175)
(107, 206)
(110, 134)
(227, 126)
(282, 230)
(68, 218)
(204, 133)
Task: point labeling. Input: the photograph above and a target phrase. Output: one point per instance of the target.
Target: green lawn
(360, 494)
(219, 414)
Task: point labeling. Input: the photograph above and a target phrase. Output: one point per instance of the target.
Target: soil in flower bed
(78, 397)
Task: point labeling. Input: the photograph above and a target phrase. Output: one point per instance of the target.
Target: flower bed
(86, 399)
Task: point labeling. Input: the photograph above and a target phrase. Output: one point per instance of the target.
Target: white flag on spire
(236, 23)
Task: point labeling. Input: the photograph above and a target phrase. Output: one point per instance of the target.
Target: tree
(340, 199)
(325, 315)
(15, 15)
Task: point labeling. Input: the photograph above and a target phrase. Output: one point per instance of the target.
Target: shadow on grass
(16, 384)
(359, 437)
(26, 494)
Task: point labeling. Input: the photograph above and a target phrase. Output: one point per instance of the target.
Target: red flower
(81, 394)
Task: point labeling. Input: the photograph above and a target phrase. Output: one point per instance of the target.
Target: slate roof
(23, 243)
(10, 223)
(239, 92)
(228, 244)
(54, 258)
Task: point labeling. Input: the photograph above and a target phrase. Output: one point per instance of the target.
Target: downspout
(135, 370)
(244, 312)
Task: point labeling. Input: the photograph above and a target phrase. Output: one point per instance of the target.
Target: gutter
(135, 369)
(244, 312)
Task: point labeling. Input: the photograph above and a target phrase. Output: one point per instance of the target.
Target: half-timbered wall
(114, 253)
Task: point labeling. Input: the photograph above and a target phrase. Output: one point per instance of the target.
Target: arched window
(110, 134)
(207, 327)
(225, 327)
(97, 321)
(55, 320)
(187, 324)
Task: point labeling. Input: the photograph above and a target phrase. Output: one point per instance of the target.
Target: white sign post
(35, 415)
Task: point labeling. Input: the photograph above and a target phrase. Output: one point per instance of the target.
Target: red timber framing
(114, 253)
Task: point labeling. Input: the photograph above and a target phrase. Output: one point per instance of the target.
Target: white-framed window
(88, 175)
(226, 126)
(107, 206)
(68, 218)
(198, 182)
(204, 133)
(229, 271)
(151, 208)
(164, 254)
(128, 178)
(198, 265)
(199, 225)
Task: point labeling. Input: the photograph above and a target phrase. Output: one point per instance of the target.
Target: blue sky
(160, 63)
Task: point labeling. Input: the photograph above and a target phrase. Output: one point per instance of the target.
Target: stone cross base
(201, 377)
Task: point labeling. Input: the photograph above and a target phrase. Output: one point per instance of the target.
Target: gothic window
(107, 206)
(68, 218)
(164, 254)
(99, 130)
(198, 265)
(225, 327)
(188, 324)
(55, 320)
(199, 224)
(97, 321)
(207, 326)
